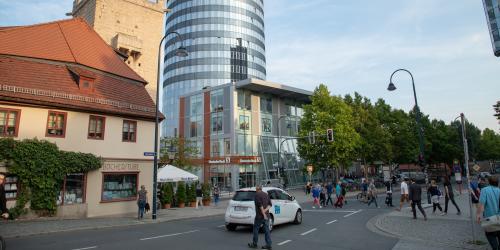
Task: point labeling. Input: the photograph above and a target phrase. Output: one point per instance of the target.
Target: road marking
(310, 231)
(355, 212)
(221, 226)
(84, 248)
(328, 223)
(330, 211)
(283, 243)
(169, 235)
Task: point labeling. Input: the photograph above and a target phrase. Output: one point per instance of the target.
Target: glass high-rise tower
(225, 41)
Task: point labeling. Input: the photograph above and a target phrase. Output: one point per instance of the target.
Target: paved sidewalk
(451, 231)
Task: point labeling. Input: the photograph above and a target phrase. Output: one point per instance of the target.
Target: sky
(354, 46)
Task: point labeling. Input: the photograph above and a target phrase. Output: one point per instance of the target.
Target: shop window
(72, 190)
(244, 100)
(11, 186)
(216, 123)
(129, 132)
(56, 124)
(244, 122)
(119, 186)
(216, 100)
(227, 147)
(266, 105)
(216, 148)
(9, 122)
(96, 127)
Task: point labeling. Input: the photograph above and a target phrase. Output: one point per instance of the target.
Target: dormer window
(86, 83)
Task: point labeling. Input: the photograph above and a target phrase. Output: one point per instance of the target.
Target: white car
(241, 209)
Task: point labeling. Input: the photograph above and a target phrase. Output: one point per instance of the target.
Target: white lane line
(328, 223)
(85, 248)
(283, 243)
(169, 235)
(221, 226)
(329, 211)
(355, 212)
(310, 231)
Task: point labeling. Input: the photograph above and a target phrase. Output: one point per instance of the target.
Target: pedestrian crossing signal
(329, 134)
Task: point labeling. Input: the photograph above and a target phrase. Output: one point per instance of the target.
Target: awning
(169, 173)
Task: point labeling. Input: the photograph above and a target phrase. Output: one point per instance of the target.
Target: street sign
(149, 154)
(310, 169)
(476, 168)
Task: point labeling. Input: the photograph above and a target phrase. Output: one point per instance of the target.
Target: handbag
(492, 223)
(147, 207)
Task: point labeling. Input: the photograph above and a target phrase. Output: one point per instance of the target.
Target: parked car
(241, 208)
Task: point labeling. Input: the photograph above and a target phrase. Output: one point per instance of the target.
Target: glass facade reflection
(226, 43)
(492, 9)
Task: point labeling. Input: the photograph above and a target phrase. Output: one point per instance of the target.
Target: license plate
(240, 209)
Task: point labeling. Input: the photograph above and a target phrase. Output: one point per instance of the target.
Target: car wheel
(298, 217)
(271, 223)
(231, 227)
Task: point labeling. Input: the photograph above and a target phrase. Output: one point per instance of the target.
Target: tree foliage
(183, 152)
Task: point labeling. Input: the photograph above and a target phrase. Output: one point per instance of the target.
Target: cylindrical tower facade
(225, 41)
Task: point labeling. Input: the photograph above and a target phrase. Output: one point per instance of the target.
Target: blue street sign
(149, 153)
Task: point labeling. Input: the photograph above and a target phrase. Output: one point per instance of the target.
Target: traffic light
(329, 135)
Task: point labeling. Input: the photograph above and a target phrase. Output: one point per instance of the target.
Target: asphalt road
(325, 228)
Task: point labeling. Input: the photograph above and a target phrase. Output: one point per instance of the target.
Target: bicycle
(362, 197)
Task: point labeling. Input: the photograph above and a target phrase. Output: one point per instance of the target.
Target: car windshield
(244, 196)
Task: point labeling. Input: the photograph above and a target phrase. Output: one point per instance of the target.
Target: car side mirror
(292, 198)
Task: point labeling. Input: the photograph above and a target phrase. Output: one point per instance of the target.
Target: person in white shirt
(404, 194)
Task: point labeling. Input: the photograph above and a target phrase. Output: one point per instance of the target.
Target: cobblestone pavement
(451, 231)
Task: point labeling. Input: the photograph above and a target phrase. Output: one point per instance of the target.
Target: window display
(72, 190)
(119, 186)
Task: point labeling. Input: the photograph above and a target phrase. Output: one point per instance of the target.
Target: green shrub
(205, 189)
(167, 193)
(181, 192)
(193, 191)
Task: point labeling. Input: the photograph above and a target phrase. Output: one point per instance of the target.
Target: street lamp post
(279, 146)
(181, 52)
(421, 157)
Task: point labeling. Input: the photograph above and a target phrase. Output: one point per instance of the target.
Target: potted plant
(192, 194)
(167, 195)
(181, 194)
(205, 189)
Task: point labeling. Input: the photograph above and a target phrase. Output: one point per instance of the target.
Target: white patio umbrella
(169, 173)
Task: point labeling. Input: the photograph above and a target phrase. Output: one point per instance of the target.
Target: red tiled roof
(48, 83)
(69, 40)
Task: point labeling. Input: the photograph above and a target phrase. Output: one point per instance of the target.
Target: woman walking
(322, 195)
(449, 196)
(141, 201)
(435, 193)
(372, 194)
(488, 206)
(216, 192)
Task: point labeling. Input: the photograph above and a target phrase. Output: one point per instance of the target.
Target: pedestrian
(449, 196)
(372, 194)
(315, 194)
(322, 195)
(364, 190)
(216, 192)
(475, 192)
(435, 193)
(388, 198)
(3, 200)
(199, 196)
(308, 188)
(340, 198)
(488, 206)
(329, 192)
(344, 191)
(404, 193)
(482, 183)
(141, 201)
(415, 195)
(262, 206)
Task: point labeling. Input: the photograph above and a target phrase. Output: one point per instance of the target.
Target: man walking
(262, 206)
(141, 201)
(404, 194)
(372, 194)
(415, 195)
(329, 192)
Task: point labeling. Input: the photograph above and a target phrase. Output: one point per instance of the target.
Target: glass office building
(492, 10)
(225, 41)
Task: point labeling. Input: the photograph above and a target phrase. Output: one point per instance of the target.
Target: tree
(328, 112)
(497, 110)
(489, 146)
(184, 152)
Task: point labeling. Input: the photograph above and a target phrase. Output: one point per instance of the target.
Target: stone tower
(133, 27)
